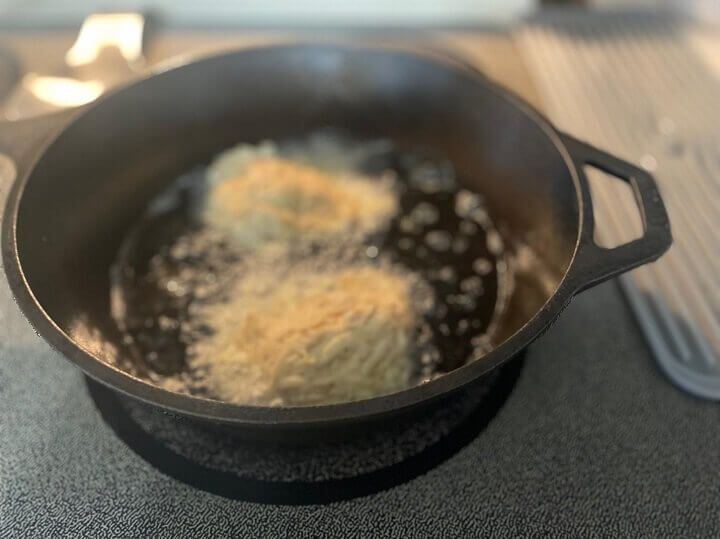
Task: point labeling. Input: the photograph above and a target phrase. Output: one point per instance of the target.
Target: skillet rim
(261, 416)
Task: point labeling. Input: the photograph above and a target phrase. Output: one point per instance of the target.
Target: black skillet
(83, 178)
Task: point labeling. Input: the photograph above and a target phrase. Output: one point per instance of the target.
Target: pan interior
(94, 182)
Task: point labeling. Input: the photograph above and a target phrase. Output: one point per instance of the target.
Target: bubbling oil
(172, 265)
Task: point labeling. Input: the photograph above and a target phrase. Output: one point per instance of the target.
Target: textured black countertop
(592, 441)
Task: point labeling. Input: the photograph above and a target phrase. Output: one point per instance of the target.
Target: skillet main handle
(594, 264)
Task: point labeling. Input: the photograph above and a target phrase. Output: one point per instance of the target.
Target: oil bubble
(438, 240)
(482, 266)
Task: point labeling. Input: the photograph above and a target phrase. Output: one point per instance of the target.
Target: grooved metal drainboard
(633, 85)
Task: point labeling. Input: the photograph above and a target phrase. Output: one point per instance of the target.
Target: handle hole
(615, 208)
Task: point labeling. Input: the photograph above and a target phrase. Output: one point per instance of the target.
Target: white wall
(279, 12)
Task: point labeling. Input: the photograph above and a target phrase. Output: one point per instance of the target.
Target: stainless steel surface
(635, 85)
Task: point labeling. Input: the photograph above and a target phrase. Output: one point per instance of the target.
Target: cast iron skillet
(84, 177)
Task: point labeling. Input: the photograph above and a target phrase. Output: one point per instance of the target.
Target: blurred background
(321, 12)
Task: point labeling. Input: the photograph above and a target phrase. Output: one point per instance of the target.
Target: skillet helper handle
(594, 264)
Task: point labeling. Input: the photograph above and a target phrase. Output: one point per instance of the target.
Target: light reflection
(62, 91)
(121, 30)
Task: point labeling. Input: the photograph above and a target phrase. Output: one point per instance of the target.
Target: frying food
(305, 272)
(261, 198)
(333, 337)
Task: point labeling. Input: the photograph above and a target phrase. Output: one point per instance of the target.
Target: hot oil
(441, 232)
(167, 262)
(171, 263)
